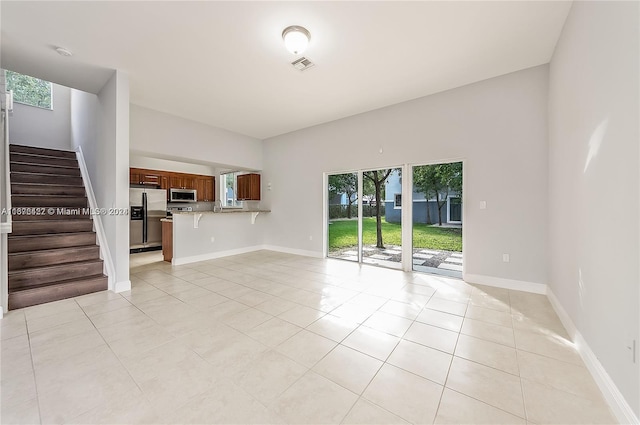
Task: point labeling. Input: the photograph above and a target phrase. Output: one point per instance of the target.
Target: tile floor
(273, 338)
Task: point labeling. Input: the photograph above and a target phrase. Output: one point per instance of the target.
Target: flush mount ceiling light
(296, 39)
(63, 52)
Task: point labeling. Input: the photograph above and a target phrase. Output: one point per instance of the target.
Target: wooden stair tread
(41, 151)
(54, 291)
(60, 282)
(53, 267)
(53, 249)
(50, 235)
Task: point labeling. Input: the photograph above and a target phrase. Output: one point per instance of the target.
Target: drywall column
(113, 102)
(594, 106)
(100, 125)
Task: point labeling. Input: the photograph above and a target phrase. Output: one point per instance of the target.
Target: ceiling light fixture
(296, 39)
(63, 52)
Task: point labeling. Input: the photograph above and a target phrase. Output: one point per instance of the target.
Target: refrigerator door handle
(144, 217)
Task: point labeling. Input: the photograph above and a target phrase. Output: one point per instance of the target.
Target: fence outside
(340, 211)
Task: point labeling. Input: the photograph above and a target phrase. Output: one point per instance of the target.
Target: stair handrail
(7, 106)
(105, 253)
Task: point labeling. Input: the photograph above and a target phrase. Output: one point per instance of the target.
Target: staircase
(52, 251)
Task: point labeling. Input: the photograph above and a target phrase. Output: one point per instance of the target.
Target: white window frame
(449, 209)
(223, 190)
(395, 201)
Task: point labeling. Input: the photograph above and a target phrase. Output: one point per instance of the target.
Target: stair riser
(19, 244)
(22, 228)
(48, 179)
(43, 189)
(37, 296)
(43, 160)
(23, 279)
(41, 151)
(51, 258)
(44, 169)
(18, 201)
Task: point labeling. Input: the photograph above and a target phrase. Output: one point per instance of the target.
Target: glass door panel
(437, 219)
(382, 218)
(342, 228)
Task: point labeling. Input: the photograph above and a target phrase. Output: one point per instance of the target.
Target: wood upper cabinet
(148, 177)
(182, 181)
(248, 187)
(134, 176)
(205, 187)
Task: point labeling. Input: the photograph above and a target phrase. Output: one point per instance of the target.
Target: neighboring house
(451, 212)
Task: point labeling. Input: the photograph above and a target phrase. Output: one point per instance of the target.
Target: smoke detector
(302, 64)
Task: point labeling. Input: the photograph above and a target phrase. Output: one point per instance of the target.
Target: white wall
(160, 135)
(232, 233)
(100, 125)
(43, 128)
(593, 182)
(168, 165)
(497, 126)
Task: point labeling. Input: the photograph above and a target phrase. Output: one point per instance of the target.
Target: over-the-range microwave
(182, 195)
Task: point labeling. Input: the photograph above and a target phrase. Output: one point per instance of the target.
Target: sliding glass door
(369, 200)
(342, 228)
(437, 218)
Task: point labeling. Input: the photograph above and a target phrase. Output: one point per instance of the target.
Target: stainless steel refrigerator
(146, 208)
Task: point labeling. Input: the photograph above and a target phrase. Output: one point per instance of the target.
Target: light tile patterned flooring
(273, 338)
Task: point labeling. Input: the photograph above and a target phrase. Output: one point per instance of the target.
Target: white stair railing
(6, 106)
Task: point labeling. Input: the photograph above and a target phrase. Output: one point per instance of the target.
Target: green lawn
(343, 233)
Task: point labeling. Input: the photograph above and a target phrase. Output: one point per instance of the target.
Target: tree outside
(377, 178)
(438, 181)
(29, 90)
(347, 184)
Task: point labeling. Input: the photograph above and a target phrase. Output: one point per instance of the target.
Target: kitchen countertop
(224, 211)
(169, 220)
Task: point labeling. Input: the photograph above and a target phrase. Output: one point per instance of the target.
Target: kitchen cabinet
(147, 177)
(183, 181)
(248, 187)
(134, 176)
(205, 187)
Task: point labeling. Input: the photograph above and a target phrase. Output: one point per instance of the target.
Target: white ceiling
(224, 63)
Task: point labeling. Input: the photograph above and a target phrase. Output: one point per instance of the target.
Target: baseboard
(610, 391)
(285, 250)
(562, 315)
(214, 255)
(498, 282)
(122, 286)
